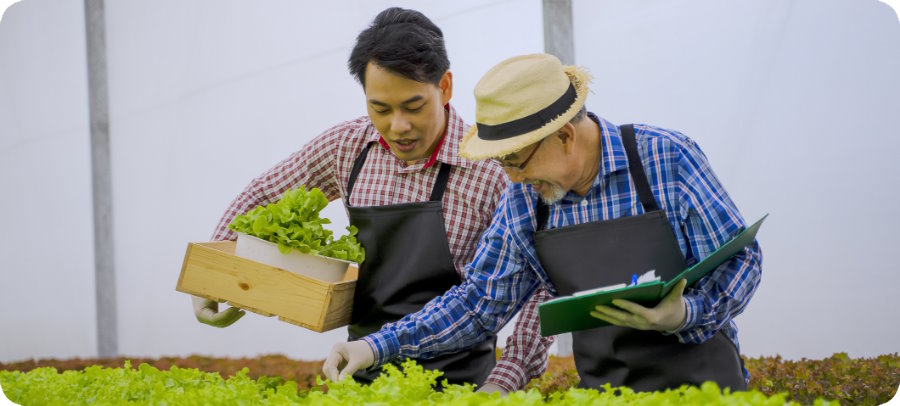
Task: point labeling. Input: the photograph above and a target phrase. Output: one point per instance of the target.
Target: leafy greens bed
(413, 385)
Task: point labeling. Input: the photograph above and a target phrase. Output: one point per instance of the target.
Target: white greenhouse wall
(203, 97)
(795, 104)
(46, 249)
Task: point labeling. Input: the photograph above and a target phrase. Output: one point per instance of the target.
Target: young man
(419, 207)
(590, 200)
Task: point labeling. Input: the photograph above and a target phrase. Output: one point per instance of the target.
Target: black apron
(407, 264)
(603, 253)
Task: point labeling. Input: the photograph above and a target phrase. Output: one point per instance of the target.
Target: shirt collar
(612, 155)
(447, 150)
(612, 150)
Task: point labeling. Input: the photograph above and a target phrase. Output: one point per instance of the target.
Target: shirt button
(584, 202)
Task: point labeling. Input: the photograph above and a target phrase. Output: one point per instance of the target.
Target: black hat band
(528, 123)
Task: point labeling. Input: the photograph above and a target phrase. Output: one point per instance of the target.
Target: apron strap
(357, 166)
(543, 213)
(437, 192)
(637, 169)
(440, 184)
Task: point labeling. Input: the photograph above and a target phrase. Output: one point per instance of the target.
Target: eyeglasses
(521, 166)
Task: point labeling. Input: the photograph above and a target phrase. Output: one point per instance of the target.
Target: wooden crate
(211, 270)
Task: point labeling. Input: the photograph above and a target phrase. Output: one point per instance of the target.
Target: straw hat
(521, 101)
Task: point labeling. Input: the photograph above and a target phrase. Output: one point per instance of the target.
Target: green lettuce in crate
(293, 223)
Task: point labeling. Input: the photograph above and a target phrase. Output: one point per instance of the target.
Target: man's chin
(548, 200)
(410, 156)
(551, 194)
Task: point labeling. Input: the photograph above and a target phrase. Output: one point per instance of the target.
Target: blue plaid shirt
(505, 271)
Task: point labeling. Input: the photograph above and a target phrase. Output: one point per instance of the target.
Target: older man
(589, 199)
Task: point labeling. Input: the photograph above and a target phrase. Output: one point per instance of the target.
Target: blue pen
(633, 279)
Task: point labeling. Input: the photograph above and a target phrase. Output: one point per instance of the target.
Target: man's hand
(207, 312)
(666, 316)
(347, 358)
(491, 388)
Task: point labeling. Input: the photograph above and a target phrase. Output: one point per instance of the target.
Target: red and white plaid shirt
(469, 202)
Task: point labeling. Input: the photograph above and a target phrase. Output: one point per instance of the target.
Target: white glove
(666, 316)
(207, 312)
(347, 358)
(491, 388)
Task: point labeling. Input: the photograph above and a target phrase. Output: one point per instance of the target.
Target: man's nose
(400, 124)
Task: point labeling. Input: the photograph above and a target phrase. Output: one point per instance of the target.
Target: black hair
(404, 42)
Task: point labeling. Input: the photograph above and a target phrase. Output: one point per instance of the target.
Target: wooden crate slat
(212, 270)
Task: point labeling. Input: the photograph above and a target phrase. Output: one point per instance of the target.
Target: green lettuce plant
(411, 385)
(293, 223)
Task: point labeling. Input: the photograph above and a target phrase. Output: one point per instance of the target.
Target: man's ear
(446, 86)
(567, 136)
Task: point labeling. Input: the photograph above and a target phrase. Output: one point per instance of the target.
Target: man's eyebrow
(412, 99)
(407, 101)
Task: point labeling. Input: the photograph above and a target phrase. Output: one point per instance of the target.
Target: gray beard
(556, 194)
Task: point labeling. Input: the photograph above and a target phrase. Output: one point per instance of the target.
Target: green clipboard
(572, 313)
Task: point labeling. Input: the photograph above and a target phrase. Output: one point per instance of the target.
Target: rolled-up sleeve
(526, 351)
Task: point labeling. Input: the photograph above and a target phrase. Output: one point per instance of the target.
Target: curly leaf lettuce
(293, 223)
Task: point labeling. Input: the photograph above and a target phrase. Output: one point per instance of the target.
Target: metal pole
(558, 35)
(98, 99)
(559, 41)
